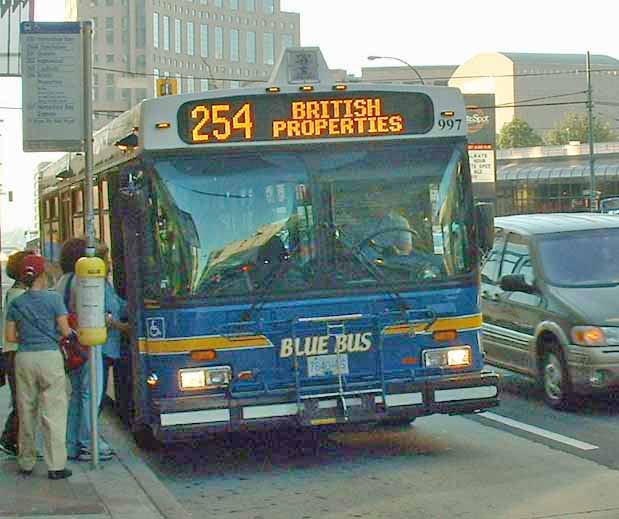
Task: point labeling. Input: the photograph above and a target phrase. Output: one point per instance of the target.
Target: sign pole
(592, 187)
(90, 229)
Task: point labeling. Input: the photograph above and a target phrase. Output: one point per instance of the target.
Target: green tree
(518, 134)
(575, 127)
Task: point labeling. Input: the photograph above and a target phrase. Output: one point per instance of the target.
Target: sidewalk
(123, 488)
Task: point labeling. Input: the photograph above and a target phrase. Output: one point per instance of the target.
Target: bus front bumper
(177, 418)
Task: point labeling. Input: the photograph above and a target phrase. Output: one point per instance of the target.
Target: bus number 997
(449, 124)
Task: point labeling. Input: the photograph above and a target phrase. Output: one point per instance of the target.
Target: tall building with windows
(205, 44)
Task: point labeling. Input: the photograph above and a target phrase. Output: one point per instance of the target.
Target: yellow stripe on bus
(220, 342)
(468, 322)
(215, 342)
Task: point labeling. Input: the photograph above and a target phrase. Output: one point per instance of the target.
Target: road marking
(540, 432)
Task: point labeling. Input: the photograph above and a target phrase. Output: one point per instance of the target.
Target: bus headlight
(453, 357)
(204, 378)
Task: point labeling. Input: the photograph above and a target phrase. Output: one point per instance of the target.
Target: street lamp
(209, 72)
(372, 58)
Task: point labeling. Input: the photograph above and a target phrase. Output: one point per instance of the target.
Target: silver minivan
(550, 302)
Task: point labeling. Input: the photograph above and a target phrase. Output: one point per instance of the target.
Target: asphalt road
(594, 421)
(523, 460)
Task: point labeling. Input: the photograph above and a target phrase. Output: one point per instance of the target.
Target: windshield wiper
(270, 279)
(371, 268)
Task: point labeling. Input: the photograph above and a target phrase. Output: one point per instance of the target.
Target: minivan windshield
(581, 258)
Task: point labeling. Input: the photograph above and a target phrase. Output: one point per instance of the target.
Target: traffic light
(167, 87)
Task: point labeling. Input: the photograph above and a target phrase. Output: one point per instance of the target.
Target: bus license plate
(327, 365)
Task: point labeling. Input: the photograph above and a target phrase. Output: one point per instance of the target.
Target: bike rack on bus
(336, 325)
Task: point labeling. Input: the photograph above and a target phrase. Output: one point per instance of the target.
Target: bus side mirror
(484, 221)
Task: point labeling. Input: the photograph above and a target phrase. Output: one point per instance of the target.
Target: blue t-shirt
(116, 306)
(41, 307)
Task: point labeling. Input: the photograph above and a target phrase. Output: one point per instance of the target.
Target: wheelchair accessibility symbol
(155, 327)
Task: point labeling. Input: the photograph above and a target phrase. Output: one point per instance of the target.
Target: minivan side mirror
(516, 283)
(484, 221)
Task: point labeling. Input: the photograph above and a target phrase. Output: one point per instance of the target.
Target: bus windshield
(338, 217)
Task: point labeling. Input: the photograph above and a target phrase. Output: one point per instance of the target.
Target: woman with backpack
(79, 424)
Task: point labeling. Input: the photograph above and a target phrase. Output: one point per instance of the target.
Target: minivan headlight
(595, 335)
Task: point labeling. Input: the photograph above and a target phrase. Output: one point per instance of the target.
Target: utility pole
(592, 187)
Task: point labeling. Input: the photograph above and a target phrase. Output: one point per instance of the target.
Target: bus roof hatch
(301, 65)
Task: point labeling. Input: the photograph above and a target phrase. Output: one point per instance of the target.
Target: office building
(204, 44)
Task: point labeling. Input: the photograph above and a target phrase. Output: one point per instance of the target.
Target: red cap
(33, 266)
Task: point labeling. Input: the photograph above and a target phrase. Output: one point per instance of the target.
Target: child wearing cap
(35, 320)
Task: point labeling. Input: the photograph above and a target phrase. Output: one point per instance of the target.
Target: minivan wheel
(556, 382)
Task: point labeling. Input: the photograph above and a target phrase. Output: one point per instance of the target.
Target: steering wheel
(369, 240)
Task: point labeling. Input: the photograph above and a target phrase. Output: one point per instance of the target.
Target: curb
(128, 454)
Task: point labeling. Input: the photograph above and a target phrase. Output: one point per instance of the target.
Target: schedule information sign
(52, 77)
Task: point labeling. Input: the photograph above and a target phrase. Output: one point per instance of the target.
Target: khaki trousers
(41, 392)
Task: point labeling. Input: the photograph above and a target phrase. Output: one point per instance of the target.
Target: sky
(438, 32)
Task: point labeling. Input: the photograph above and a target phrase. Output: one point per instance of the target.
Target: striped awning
(514, 172)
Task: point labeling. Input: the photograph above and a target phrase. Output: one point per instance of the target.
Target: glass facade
(551, 195)
(251, 46)
(191, 44)
(234, 45)
(204, 40)
(109, 30)
(287, 40)
(219, 43)
(181, 43)
(166, 32)
(268, 48)
(178, 36)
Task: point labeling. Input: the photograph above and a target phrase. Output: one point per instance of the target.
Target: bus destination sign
(278, 117)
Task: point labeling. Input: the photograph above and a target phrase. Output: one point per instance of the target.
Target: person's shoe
(104, 455)
(25, 472)
(59, 474)
(7, 448)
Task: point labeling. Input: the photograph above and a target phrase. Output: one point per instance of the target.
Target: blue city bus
(302, 253)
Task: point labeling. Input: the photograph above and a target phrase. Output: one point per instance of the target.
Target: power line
(434, 78)
(518, 105)
(489, 76)
(552, 97)
(544, 97)
(160, 76)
